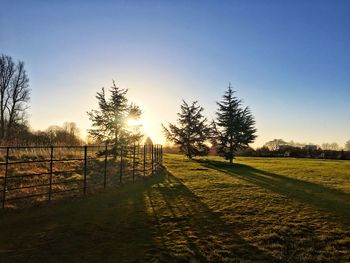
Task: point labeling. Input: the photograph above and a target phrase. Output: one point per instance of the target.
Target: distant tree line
(67, 134)
(281, 148)
(293, 150)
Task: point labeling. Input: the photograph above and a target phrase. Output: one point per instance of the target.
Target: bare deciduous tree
(14, 95)
(275, 144)
(68, 134)
(330, 146)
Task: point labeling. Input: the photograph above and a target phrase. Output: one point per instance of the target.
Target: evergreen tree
(192, 131)
(148, 141)
(109, 122)
(234, 126)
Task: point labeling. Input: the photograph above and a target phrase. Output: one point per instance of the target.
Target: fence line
(31, 174)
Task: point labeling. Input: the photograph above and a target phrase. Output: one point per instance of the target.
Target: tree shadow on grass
(107, 227)
(188, 230)
(155, 220)
(322, 197)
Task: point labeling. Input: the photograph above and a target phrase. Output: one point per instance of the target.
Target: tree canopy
(192, 130)
(110, 120)
(234, 126)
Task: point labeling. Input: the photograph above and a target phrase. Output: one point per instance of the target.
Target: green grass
(258, 209)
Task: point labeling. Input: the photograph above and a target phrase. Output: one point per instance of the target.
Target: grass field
(259, 209)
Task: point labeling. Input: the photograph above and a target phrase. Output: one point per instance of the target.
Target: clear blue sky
(290, 61)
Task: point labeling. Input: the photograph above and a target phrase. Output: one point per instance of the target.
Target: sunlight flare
(134, 123)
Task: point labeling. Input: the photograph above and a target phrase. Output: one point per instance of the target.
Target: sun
(134, 123)
(145, 125)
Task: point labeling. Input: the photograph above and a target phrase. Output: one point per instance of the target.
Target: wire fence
(30, 175)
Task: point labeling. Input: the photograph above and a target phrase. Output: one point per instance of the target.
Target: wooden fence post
(51, 172)
(5, 178)
(105, 171)
(85, 167)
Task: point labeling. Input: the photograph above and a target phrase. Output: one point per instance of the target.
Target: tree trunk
(116, 141)
(2, 118)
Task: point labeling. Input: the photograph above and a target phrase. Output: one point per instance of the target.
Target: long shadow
(113, 226)
(322, 197)
(190, 229)
(156, 220)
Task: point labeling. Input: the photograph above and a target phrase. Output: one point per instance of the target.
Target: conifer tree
(109, 122)
(234, 126)
(192, 131)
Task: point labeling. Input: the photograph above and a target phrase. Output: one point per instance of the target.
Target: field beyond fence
(30, 175)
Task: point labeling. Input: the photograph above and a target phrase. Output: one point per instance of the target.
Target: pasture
(203, 210)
